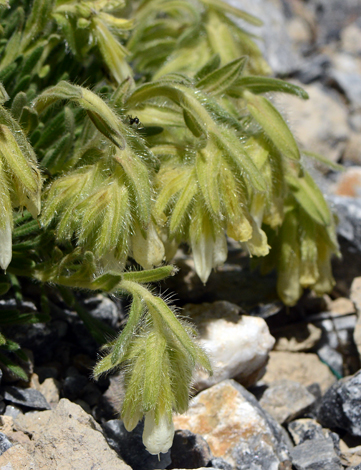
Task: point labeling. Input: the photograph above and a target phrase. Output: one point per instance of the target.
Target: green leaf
(208, 162)
(14, 368)
(310, 198)
(18, 103)
(226, 8)
(220, 80)
(3, 95)
(14, 317)
(138, 176)
(240, 160)
(29, 119)
(184, 200)
(150, 275)
(16, 160)
(212, 64)
(324, 160)
(257, 84)
(273, 124)
(127, 335)
(4, 287)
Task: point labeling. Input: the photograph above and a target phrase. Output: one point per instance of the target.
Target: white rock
(238, 345)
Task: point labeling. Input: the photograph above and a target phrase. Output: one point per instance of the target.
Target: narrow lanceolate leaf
(170, 182)
(288, 284)
(180, 209)
(112, 51)
(106, 121)
(7, 120)
(208, 163)
(154, 369)
(220, 80)
(138, 176)
(273, 124)
(3, 95)
(126, 336)
(39, 16)
(15, 159)
(213, 63)
(310, 198)
(106, 281)
(62, 91)
(150, 275)
(257, 84)
(13, 368)
(226, 8)
(239, 159)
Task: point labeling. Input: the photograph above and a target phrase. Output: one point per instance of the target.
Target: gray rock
(358, 467)
(219, 463)
(5, 444)
(341, 405)
(346, 72)
(103, 309)
(303, 430)
(348, 210)
(73, 440)
(286, 399)
(316, 454)
(236, 428)
(305, 368)
(73, 386)
(275, 42)
(129, 446)
(189, 450)
(28, 397)
(316, 69)
(332, 358)
(12, 411)
(40, 338)
(331, 16)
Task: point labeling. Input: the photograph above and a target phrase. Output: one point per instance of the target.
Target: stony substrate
(301, 410)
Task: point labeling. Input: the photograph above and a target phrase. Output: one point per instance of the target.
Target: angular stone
(28, 397)
(305, 429)
(17, 458)
(50, 389)
(129, 446)
(275, 42)
(341, 405)
(237, 345)
(73, 386)
(219, 463)
(296, 338)
(5, 444)
(305, 368)
(236, 427)
(189, 450)
(73, 440)
(355, 296)
(286, 399)
(316, 454)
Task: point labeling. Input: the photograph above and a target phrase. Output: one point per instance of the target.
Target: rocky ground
(302, 409)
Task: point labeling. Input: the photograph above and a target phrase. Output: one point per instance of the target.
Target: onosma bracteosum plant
(207, 156)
